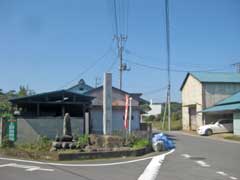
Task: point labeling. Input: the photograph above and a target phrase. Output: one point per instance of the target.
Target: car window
(225, 121)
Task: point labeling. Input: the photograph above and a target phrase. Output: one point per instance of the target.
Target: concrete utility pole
(107, 104)
(122, 67)
(130, 115)
(237, 66)
(168, 63)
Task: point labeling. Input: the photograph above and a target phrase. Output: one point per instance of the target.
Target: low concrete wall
(29, 129)
(109, 154)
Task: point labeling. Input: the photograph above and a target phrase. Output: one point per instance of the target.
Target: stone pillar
(86, 122)
(107, 104)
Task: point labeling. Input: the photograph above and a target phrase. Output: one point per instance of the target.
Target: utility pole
(97, 81)
(122, 67)
(168, 63)
(237, 66)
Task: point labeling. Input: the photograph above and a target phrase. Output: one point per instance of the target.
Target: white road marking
(186, 156)
(151, 171)
(222, 173)
(79, 165)
(233, 178)
(6, 165)
(202, 163)
(28, 168)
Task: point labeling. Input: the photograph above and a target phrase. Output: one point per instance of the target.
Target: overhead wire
(222, 67)
(165, 69)
(155, 91)
(91, 66)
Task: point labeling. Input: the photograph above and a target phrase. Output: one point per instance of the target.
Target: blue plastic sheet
(168, 143)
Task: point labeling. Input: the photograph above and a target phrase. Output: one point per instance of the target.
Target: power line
(91, 66)
(116, 17)
(121, 38)
(165, 69)
(155, 91)
(129, 52)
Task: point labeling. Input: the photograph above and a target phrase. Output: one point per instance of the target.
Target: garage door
(192, 115)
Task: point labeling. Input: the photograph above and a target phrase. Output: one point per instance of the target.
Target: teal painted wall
(236, 123)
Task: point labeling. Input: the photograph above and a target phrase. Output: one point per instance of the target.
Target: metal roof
(217, 77)
(53, 94)
(227, 107)
(232, 99)
(214, 77)
(135, 96)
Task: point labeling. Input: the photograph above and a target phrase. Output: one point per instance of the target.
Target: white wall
(191, 95)
(117, 121)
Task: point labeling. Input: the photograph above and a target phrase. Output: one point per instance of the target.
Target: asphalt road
(194, 158)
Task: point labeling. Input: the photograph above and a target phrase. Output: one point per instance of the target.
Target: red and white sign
(126, 112)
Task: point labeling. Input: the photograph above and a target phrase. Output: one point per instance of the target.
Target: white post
(86, 123)
(107, 104)
(130, 115)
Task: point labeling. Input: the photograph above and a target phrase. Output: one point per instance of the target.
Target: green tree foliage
(176, 113)
(145, 108)
(5, 105)
(25, 91)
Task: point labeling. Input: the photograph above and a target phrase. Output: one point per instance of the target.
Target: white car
(221, 126)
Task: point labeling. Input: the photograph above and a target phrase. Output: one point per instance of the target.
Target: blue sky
(48, 44)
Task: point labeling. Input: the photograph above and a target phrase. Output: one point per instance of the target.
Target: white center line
(186, 156)
(222, 173)
(202, 163)
(233, 178)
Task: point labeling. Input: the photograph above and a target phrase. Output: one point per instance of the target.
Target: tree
(145, 108)
(5, 105)
(25, 91)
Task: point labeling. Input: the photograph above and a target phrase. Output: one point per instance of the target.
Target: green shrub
(140, 143)
(130, 140)
(82, 141)
(42, 144)
(6, 143)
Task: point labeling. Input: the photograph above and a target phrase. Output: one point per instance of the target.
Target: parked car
(221, 126)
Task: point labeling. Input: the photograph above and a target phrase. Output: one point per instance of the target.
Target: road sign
(12, 129)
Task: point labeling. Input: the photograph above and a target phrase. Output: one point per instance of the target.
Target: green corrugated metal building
(205, 90)
(232, 105)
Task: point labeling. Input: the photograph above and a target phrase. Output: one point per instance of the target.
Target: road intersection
(194, 158)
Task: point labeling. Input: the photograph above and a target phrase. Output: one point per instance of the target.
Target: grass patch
(232, 137)
(38, 150)
(175, 125)
(140, 143)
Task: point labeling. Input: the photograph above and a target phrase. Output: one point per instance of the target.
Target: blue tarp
(168, 143)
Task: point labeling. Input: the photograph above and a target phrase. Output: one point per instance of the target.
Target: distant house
(42, 114)
(118, 106)
(156, 109)
(201, 90)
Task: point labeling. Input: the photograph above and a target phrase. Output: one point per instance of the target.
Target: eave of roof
(227, 107)
(135, 96)
(50, 93)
